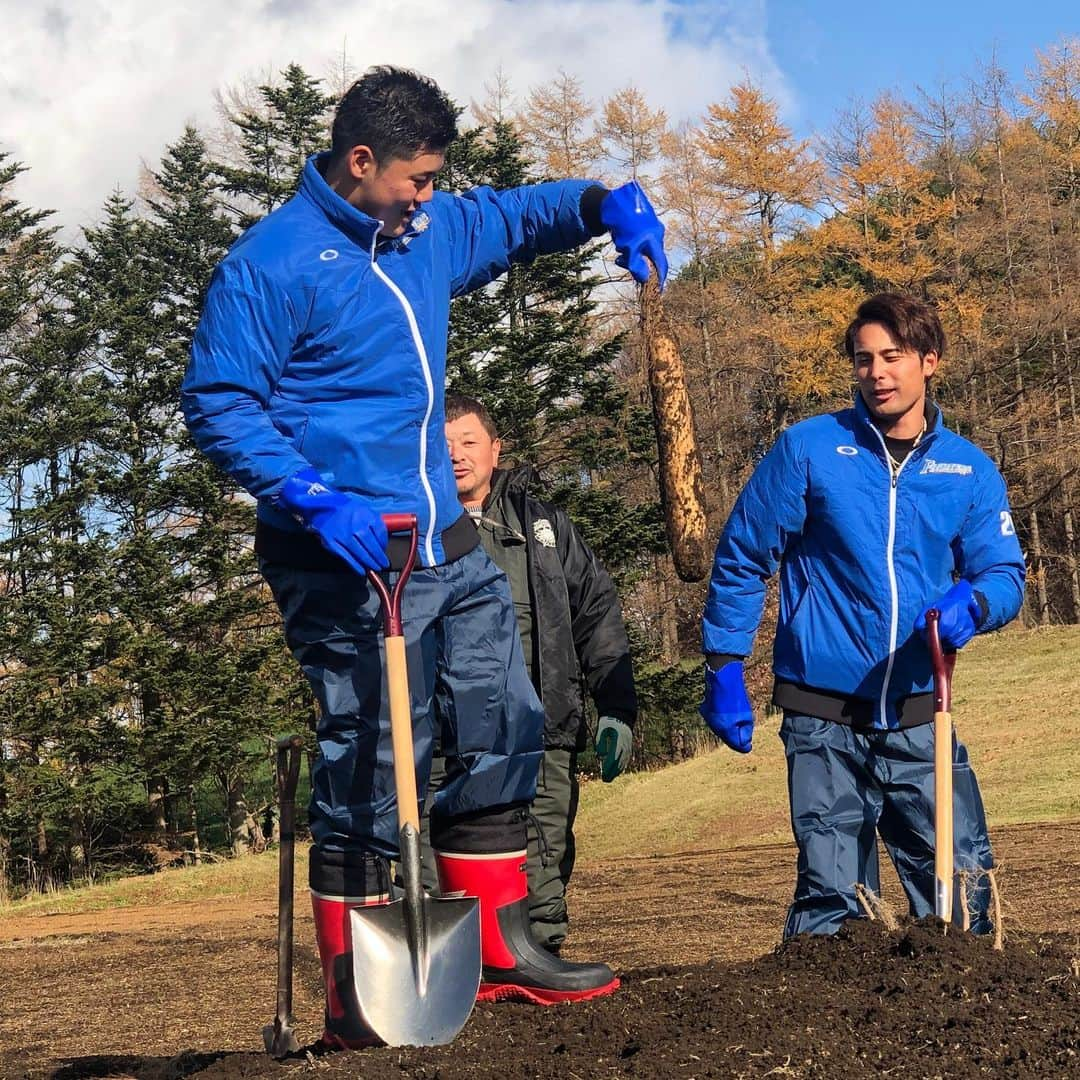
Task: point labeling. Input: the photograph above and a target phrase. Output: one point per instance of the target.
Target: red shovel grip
(391, 600)
(399, 523)
(942, 662)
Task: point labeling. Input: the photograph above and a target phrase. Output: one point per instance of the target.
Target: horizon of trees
(143, 676)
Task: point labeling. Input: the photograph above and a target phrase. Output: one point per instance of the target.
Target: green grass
(232, 877)
(1016, 703)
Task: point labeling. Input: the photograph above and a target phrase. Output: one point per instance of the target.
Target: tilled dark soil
(909, 1003)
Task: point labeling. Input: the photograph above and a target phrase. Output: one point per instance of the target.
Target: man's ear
(930, 362)
(361, 162)
(496, 446)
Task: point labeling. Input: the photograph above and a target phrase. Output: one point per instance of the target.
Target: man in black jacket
(571, 629)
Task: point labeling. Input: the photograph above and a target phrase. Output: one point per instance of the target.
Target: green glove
(613, 742)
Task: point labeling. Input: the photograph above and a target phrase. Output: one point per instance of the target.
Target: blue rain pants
(846, 787)
(467, 680)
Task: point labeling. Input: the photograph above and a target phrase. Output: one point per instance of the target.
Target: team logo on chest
(944, 468)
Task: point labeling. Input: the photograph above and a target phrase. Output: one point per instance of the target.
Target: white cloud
(90, 88)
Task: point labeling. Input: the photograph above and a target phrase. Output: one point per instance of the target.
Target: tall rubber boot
(341, 881)
(515, 967)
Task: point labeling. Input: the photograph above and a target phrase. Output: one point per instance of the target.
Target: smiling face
(892, 381)
(474, 455)
(391, 192)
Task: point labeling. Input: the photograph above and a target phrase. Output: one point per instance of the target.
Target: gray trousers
(552, 850)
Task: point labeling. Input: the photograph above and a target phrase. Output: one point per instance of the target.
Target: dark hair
(396, 113)
(911, 323)
(459, 405)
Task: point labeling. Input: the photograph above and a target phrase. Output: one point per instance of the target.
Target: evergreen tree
(275, 137)
(526, 346)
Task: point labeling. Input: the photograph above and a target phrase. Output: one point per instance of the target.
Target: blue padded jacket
(322, 345)
(861, 553)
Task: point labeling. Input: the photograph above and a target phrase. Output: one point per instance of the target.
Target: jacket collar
(355, 224)
(511, 482)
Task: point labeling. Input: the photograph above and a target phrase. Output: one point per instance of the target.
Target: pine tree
(527, 348)
(276, 135)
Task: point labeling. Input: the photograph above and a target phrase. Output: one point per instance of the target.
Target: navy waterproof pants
(467, 680)
(848, 786)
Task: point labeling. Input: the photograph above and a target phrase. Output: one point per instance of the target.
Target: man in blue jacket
(873, 515)
(316, 381)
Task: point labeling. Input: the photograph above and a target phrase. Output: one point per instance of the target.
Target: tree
(555, 128)
(275, 137)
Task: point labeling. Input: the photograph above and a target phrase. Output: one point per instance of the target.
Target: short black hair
(396, 113)
(910, 322)
(459, 405)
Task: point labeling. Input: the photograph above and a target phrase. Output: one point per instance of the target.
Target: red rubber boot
(344, 1030)
(341, 881)
(515, 967)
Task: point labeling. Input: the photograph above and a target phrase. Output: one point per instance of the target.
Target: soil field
(183, 990)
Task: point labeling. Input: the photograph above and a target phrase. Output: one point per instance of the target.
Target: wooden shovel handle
(397, 674)
(943, 664)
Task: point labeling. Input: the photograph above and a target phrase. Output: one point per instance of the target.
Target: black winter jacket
(578, 629)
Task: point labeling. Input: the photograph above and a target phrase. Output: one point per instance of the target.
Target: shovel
(416, 961)
(278, 1036)
(943, 663)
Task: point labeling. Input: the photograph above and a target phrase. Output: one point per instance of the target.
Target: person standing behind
(571, 628)
(874, 515)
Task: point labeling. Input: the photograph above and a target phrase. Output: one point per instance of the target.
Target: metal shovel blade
(279, 1038)
(414, 997)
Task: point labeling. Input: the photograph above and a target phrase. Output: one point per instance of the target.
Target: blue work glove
(345, 523)
(635, 230)
(960, 616)
(613, 744)
(727, 708)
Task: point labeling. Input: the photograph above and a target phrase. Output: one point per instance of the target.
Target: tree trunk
(156, 799)
(77, 851)
(193, 824)
(236, 810)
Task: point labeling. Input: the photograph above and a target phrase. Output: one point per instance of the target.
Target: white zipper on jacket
(894, 592)
(418, 341)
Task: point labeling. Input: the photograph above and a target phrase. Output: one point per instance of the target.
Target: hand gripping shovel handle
(278, 1036)
(943, 663)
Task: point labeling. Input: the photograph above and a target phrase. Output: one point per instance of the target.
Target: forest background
(143, 675)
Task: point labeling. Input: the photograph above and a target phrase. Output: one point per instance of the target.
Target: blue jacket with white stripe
(861, 553)
(322, 345)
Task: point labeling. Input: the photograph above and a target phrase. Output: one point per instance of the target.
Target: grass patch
(231, 877)
(1015, 704)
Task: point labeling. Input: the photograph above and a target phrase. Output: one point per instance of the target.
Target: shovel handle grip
(391, 598)
(942, 662)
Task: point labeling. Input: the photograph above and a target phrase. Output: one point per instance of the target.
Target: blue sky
(90, 89)
(832, 51)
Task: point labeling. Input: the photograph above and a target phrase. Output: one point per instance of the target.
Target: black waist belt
(304, 551)
(911, 711)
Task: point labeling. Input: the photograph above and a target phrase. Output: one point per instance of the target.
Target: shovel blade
(279, 1039)
(410, 1000)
